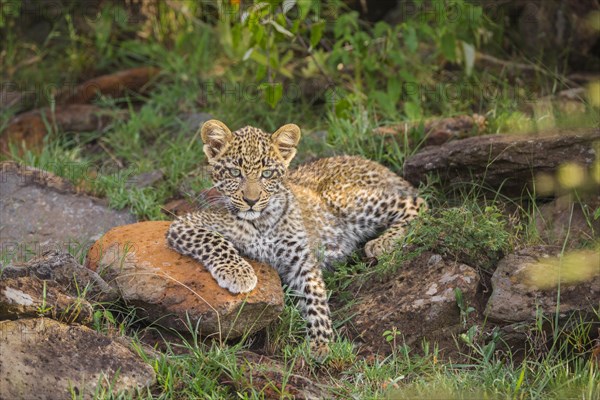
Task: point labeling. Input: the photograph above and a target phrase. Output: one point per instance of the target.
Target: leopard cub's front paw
(239, 278)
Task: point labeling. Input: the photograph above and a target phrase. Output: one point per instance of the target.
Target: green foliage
(268, 36)
(469, 234)
(289, 332)
(243, 70)
(352, 133)
(394, 68)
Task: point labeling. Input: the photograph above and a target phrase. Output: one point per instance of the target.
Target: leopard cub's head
(249, 165)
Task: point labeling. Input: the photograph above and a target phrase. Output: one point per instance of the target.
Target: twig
(110, 154)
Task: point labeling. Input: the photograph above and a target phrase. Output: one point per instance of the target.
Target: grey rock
(44, 359)
(40, 211)
(518, 296)
(145, 179)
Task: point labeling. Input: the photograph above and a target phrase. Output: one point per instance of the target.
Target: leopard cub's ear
(285, 141)
(216, 137)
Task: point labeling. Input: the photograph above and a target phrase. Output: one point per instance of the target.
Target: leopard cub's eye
(235, 172)
(267, 173)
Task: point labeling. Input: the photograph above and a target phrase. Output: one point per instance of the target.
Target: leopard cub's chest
(260, 247)
(262, 243)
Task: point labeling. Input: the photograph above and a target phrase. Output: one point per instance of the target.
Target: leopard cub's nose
(249, 201)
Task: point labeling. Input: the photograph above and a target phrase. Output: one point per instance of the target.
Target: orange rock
(166, 285)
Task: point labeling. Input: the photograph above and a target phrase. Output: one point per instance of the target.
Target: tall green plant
(269, 36)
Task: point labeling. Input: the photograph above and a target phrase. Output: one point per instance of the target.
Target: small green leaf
(410, 38)
(448, 45)
(381, 29)
(287, 57)
(258, 33)
(236, 36)
(520, 380)
(458, 295)
(261, 72)
(394, 89)
(272, 92)
(304, 7)
(316, 33)
(259, 58)
(412, 110)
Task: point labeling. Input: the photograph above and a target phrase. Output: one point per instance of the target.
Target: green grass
(192, 368)
(203, 70)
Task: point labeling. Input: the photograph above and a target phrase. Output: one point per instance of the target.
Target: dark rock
(418, 300)
(30, 128)
(10, 97)
(63, 269)
(269, 377)
(53, 285)
(44, 359)
(115, 85)
(505, 162)
(193, 121)
(27, 297)
(436, 131)
(544, 28)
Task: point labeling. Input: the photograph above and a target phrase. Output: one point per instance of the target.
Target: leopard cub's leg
(302, 273)
(187, 236)
(402, 211)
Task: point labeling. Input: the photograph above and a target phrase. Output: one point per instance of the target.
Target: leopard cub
(298, 221)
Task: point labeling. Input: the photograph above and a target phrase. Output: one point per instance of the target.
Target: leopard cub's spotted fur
(298, 221)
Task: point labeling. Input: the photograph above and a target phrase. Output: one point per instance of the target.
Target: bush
(466, 234)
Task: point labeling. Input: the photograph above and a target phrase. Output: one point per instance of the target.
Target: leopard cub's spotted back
(297, 221)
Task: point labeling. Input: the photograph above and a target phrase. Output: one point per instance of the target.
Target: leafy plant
(44, 308)
(477, 237)
(394, 68)
(464, 308)
(269, 35)
(391, 337)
